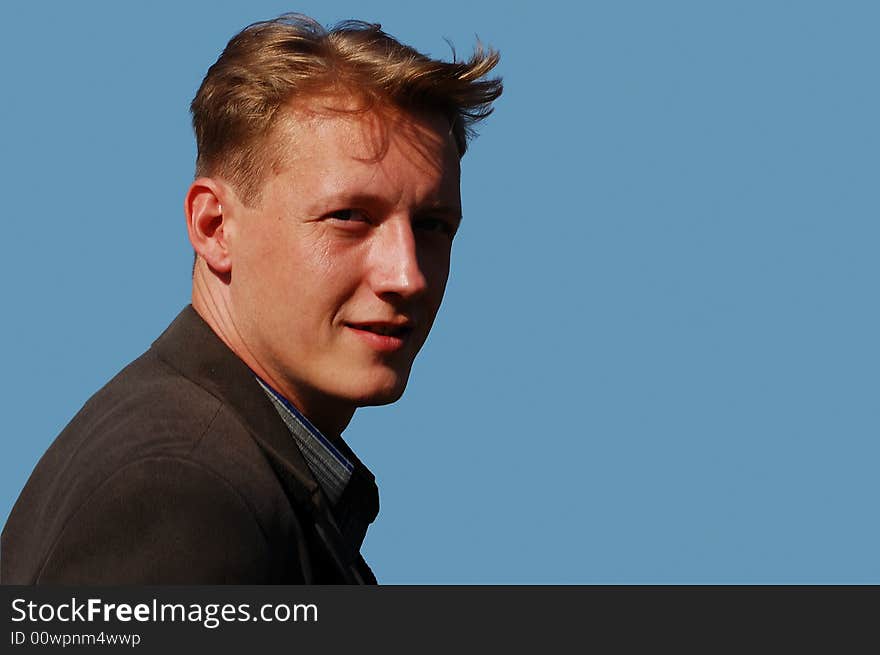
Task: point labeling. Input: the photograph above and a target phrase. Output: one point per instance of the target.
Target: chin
(382, 392)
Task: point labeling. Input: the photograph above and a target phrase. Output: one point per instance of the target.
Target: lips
(383, 329)
(382, 336)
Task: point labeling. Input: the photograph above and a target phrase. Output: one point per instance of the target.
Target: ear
(205, 224)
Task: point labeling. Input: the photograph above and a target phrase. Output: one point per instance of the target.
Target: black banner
(420, 619)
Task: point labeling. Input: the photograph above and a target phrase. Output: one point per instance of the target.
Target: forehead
(337, 130)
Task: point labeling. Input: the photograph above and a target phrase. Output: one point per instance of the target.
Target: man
(322, 215)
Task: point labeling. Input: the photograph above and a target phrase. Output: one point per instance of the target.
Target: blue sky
(657, 360)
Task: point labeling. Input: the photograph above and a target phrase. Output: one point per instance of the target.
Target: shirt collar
(332, 469)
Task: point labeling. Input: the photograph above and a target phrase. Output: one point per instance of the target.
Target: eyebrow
(449, 211)
(367, 199)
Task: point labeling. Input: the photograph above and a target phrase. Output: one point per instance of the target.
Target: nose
(395, 267)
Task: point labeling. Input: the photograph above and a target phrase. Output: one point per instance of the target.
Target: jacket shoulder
(150, 439)
(160, 520)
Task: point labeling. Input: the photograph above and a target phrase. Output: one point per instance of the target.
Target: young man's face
(339, 268)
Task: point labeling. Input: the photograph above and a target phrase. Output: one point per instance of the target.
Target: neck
(212, 304)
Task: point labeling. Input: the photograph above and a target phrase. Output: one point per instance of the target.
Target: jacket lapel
(190, 346)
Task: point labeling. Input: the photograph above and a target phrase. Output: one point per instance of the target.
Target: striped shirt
(331, 468)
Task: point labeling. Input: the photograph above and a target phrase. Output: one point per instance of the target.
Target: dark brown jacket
(180, 471)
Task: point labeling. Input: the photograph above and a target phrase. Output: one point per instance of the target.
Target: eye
(350, 215)
(436, 225)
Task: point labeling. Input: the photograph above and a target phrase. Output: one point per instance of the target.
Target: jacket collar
(191, 347)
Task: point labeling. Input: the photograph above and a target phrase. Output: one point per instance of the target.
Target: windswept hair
(272, 63)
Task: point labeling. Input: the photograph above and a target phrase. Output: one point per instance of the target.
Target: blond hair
(271, 63)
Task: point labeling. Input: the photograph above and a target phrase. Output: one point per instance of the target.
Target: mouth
(384, 337)
(383, 329)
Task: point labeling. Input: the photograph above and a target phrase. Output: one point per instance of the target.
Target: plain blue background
(657, 360)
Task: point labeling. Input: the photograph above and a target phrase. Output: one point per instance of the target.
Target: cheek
(301, 261)
(328, 278)
(342, 263)
(262, 258)
(435, 267)
(327, 258)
